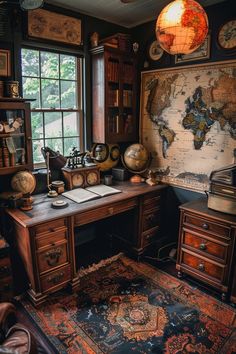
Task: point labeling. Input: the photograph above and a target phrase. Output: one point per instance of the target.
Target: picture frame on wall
(154, 50)
(5, 64)
(201, 53)
(52, 26)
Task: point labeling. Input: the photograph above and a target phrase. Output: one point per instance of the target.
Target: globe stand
(27, 201)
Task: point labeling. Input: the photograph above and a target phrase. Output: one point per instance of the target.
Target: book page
(80, 195)
(103, 190)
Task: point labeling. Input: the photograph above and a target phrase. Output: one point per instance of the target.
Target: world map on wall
(188, 121)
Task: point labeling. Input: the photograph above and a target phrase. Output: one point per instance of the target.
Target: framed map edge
(198, 54)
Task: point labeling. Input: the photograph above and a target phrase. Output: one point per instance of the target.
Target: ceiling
(128, 14)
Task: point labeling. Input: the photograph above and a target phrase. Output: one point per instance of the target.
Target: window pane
(71, 124)
(69, 143)
(68, 97)
(67, 67)
(37, 154)
(49, 65)
(31, 89)
(30, 62)
(50, 93)
(53, 124)
(54, 144)
(37, 125)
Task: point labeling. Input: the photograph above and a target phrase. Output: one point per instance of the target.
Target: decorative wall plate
(227, 35)
(155, 51)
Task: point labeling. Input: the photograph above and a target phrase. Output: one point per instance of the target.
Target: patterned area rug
(128, 307)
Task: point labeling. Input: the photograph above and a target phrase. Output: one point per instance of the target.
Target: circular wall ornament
(155, 51)
(227, 35)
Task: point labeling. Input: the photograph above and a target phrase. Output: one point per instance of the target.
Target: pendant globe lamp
(181, 27)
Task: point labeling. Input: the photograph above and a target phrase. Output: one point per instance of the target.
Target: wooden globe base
(27, 203)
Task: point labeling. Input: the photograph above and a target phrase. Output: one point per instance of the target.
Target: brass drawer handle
(150, 217)
(205, 226)
(56, 278)
(51, 229)
(53, 256)
(202, 246)
(148, 237)
(201, 267)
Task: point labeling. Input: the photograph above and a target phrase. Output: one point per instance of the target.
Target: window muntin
(53, 80)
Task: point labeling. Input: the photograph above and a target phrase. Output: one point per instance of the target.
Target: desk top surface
(43, 212)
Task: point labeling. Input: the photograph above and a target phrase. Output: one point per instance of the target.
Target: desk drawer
(151, 200)
(203, 266)
(50, 227)
(207, 226)
(51, 239)
(52, 257)
(205, 245)
(150, 236)
(104, 212)
(151, 219)
(56, 278)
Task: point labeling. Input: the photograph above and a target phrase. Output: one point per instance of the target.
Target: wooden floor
(93, 252)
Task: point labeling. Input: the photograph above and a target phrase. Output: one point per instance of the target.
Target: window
(54, 81)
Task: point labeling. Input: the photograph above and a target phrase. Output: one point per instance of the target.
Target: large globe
(24, 182)
(181, 27)
(136, 158)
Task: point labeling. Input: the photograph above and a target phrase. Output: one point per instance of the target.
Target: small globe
(182, 27)
(136, 158)
(24, 182)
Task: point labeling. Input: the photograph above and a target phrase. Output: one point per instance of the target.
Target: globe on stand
(137, 160)
(24, 182)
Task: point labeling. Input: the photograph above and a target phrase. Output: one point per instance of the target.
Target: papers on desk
(80, 195)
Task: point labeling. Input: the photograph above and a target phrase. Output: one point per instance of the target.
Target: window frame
(79, 97)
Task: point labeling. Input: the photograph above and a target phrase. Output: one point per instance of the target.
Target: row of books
(113, 71)
(127, 98)
(117, 126)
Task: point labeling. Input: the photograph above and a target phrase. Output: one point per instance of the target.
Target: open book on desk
(80, 195)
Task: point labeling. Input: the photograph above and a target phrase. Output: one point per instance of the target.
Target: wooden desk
(45, 236)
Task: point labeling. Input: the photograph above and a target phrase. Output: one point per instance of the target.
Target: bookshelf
(114, 95)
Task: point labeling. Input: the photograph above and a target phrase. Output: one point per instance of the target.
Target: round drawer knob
(201, 267)
(202, 247)
(205, 226)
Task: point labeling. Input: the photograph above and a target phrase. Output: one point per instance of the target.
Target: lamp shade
(182, 27)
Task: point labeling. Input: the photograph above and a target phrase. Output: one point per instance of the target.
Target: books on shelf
(80, 195)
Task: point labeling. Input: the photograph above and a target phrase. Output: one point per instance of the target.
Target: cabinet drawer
(5, 267)
(51, 239)
(151, 200)
(104, 212)
(206, 225)
(151, 219)
(50, 227)
(206, 245)
(52, 257)
(203, 266)
(58, 277)
(149, 236)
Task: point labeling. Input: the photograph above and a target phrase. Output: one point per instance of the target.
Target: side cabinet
(47, 253)
(206, 245)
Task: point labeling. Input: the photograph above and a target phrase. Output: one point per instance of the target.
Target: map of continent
(188, 121)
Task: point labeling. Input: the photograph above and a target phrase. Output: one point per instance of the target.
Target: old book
(80, 195)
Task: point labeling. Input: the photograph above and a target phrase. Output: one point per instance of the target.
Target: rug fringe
(95, 266)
